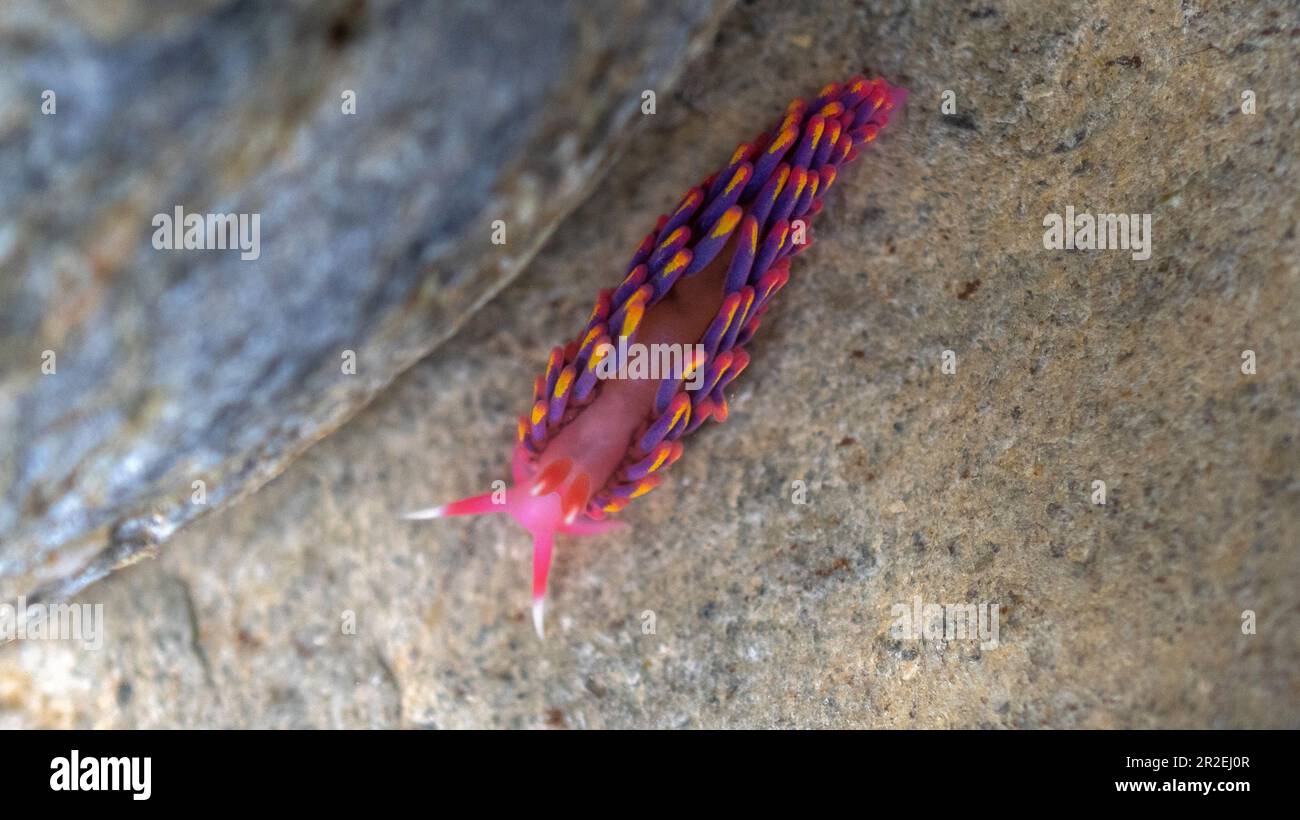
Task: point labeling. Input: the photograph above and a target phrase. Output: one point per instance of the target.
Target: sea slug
(699, 283)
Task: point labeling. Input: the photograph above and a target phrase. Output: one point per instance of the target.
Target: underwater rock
(355, 154)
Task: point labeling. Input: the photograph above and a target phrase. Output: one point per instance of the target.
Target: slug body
(700, 282)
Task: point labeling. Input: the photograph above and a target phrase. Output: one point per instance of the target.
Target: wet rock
(375, 143)
(728, 605)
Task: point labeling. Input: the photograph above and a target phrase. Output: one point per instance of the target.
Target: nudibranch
(701, 281)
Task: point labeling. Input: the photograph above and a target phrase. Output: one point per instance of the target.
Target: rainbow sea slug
(698, 285)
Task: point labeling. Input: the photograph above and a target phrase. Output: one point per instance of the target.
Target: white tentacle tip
(425, 514)
(539, 606)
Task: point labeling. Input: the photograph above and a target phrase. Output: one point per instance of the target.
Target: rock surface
(1071, 367)
(128, 372)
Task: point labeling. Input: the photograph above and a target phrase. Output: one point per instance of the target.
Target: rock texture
(1071, 367)
(376, 141)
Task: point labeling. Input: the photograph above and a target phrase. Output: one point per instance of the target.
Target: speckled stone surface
(1071, 367)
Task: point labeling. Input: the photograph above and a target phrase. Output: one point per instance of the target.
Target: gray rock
(177, 366)
(974, 487)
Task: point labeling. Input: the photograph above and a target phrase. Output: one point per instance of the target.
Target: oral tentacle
(474, 505)
(543, 542)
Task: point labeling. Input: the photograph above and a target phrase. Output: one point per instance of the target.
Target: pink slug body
(700, 281)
